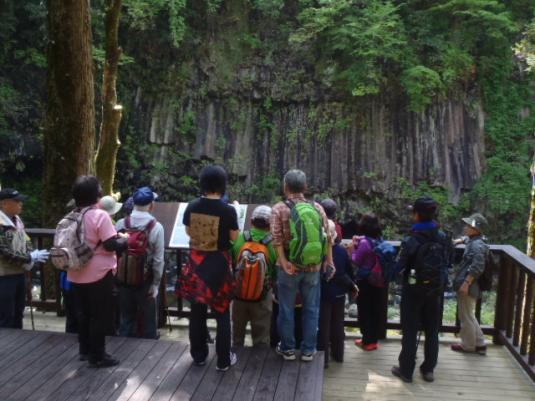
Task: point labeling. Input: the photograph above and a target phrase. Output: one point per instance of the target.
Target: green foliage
(423, 85)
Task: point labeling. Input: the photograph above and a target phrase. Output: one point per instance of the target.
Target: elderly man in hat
(466, 284)
(138, 300)
(16, 257)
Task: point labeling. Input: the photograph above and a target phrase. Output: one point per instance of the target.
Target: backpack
(307, 246)
(70, 252)
(431, 262)
(384, 269)
(252, 268)
(132, 265)
(485, 280)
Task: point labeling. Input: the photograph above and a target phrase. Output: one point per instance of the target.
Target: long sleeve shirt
(473, 264)
(155, 256)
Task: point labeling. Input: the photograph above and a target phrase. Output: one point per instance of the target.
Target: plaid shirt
(280, 224)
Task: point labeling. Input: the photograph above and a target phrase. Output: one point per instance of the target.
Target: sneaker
(287, 355)
(428, 376)
(105, 362)
(397, 372)
(482, 350)
(308, 356)
(459, 348)
(358, 342)
(370, 347)
(233, 361)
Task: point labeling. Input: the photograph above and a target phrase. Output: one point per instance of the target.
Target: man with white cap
(466, 284)
(254, 258)
(138, 293)
(16, 257)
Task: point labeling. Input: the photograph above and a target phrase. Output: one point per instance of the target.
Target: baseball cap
(330, 207)
(110, 205)
(143, 196)
(10, 193)
(477, 221)
(262, 213)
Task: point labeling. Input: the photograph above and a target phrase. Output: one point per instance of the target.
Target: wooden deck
(365, 376)
(42, 366)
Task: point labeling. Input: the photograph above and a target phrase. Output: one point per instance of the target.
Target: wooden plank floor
(42, 366)
(366, 376)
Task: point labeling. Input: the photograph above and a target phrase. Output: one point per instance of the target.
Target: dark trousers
(331, 329)
(198, 334)
(138, 313)
(95, 315)
(71, 312)
(369, 303)
(420, 310)
(12, 300)
(274, 337)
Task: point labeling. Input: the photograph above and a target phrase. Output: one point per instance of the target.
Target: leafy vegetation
(411, 52)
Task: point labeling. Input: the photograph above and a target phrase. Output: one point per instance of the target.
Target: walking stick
(29, 296)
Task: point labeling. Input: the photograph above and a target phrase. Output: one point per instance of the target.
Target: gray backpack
(70, 252)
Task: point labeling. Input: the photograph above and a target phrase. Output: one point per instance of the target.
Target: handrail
(514, 324)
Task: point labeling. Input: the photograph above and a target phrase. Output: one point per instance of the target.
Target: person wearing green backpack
(299, 229)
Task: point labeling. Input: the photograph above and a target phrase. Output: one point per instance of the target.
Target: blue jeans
(308, 285)
(12, 300)
(139, 313)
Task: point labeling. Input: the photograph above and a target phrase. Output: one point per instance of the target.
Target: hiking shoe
(397, 372)
(428, 376)
(308, 356)
(105, 362)
(287, 355)
(482, 350)
(199, 363)
(233, 361)
(459, 348)
(370, 347)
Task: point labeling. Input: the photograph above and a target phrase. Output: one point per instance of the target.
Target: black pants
(420, 309)
(331, 329)
(95, 315)
(12, 300)
(274, 337)
(369, 302)
(198, 335)
(71, 312)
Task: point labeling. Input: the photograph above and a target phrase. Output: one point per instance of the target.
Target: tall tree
(69, 134)
(531, 221)
(111, 111)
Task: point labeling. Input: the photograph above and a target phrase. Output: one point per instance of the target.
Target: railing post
(526, 320)
(520, 293)
(500, 309)
(511, 285)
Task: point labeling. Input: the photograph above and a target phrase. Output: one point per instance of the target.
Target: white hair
(144, 208)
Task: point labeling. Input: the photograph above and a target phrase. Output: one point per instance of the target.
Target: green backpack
(307, 246)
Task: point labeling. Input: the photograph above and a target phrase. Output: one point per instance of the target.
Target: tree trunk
(111, 111)
(531, 222)
(69, 132)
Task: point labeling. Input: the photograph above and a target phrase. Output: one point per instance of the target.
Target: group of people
(288, 275)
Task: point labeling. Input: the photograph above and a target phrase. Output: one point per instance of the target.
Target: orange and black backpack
(252, 269)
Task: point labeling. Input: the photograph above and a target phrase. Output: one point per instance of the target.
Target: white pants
(471, 334)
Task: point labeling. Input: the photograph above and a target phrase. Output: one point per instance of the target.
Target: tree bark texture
(69, 134)
(111, 112)
(531, 222)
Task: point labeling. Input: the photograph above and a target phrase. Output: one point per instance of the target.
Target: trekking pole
(30, 297)
(31, 312)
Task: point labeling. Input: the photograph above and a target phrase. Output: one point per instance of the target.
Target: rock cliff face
(344, 146)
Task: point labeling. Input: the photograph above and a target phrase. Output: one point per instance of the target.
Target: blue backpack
(384, 270)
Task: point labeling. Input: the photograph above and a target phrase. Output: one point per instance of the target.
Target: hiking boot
(370, 347)
(308, 356)
(482, 350)
(427, 376)
(397, 372)
(106, 362)
(287, 355)
(233, 361)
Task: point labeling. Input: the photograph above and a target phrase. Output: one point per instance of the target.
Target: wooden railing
(514, 308)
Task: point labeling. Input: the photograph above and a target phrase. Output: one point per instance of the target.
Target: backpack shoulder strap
(247, 236)
(289, 203)
(150, 226)
(267, 239)
(127, 222)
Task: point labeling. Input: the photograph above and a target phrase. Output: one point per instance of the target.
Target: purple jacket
(364, 257)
